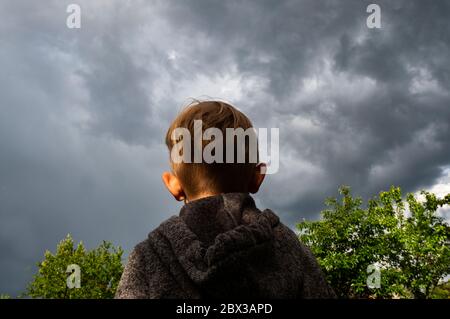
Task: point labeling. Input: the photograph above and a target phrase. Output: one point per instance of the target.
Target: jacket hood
(218, 234)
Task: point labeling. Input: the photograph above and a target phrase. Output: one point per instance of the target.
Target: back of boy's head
(199, 178)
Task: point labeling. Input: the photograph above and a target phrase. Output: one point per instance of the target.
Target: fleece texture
(222, 247)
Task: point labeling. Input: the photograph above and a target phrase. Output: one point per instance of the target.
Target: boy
(220, 245)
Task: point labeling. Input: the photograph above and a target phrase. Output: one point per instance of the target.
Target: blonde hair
(197, 178)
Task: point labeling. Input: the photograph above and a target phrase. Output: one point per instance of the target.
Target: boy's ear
(257, 179)
(174, 186)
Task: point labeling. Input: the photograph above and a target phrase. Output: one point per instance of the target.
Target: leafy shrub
(100, 271)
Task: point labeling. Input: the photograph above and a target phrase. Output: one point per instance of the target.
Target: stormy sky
(83, 112)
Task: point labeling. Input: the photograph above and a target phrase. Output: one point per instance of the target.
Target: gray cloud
(83, 112)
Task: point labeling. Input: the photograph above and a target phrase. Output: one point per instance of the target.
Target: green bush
(411, 250)
(441, 291)
(100, 271)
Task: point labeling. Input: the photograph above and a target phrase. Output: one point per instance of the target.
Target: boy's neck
(200, 196)
(204, 195)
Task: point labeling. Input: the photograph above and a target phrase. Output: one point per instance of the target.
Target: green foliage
(441, 291)
(4, 296)
(100, 270)
(411, 250)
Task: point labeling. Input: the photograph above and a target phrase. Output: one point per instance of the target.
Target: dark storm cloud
(83, 112)
(379, 114)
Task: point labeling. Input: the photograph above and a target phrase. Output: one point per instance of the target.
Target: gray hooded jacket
(222, 247)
